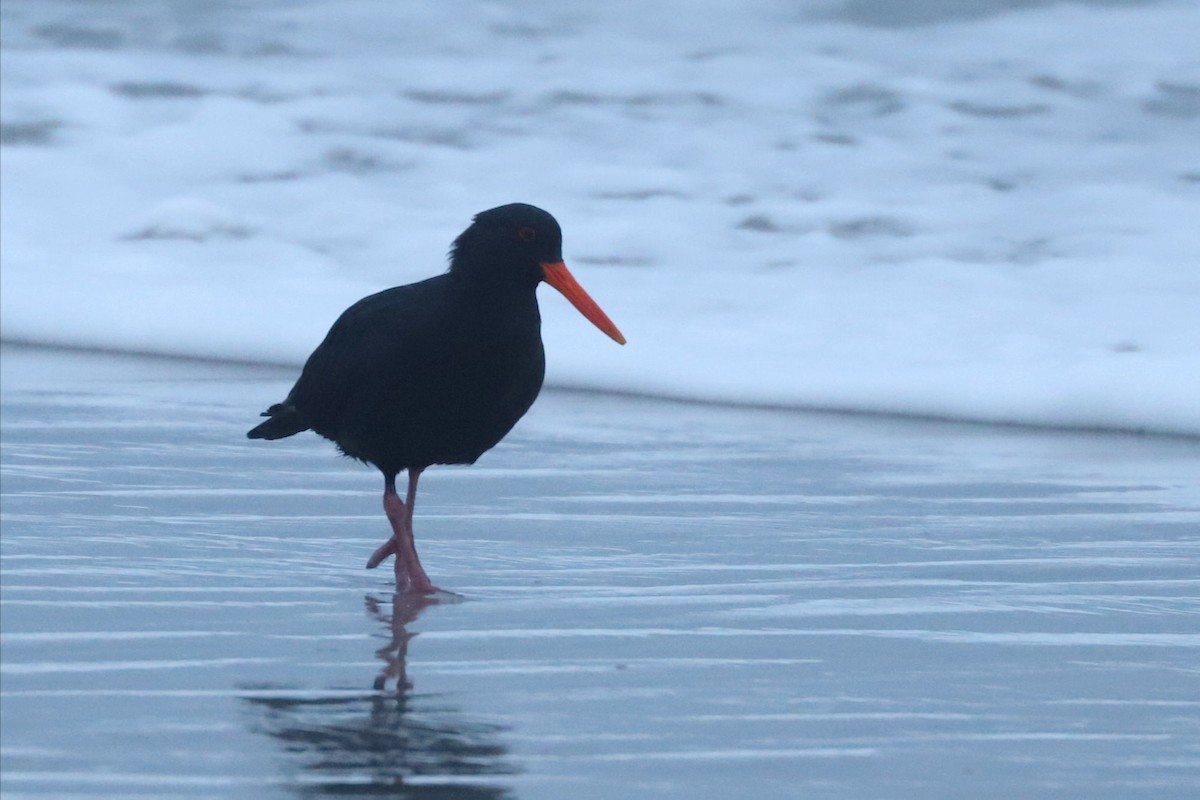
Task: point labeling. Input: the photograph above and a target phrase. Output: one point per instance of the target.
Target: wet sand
(658, 600)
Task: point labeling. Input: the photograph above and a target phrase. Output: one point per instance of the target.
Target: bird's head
(521, 245)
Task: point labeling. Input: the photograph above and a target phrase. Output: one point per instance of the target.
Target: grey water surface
(657, 600)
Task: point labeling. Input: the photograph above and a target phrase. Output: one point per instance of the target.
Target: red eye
(526, 233)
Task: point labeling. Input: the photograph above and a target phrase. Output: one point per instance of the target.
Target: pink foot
(414, 582)
(386, 549)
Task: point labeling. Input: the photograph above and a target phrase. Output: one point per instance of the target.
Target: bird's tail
(284, 421)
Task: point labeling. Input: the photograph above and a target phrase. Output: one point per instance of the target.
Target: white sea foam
(991, 216)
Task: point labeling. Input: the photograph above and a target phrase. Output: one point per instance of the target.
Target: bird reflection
(390, 742)
(405, 609)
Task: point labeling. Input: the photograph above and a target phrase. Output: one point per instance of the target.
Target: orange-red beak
(560, 278)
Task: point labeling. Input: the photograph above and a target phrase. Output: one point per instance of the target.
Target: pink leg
(410, 575)
(400, 520)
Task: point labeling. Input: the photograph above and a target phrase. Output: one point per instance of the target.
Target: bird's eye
(526, 233)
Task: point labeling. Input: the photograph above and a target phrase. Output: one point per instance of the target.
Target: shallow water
(658, 600)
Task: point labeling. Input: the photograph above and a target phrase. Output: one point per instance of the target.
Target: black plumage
(438, 371)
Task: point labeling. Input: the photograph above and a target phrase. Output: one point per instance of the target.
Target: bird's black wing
(380, 334)
(377, 337)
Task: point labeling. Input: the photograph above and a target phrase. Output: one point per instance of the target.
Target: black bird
(438, 371)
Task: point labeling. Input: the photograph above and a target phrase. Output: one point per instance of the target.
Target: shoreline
(292, 368)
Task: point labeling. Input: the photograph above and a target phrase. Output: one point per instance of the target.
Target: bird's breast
(477, 395)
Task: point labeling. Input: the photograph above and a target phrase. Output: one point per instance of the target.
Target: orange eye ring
(526, 233)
